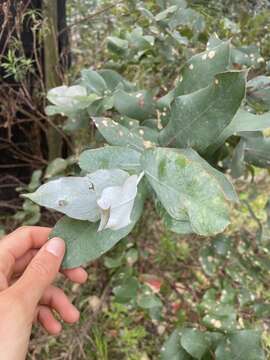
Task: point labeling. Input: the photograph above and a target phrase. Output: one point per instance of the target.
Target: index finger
(18, 243)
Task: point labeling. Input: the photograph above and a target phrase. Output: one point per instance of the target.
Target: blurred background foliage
(154, 281)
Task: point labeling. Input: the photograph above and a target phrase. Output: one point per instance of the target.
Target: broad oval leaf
(243, 121)
(185, 188)
(114, 80)
(178, 226)
(84, 243)
(117, 45)
(256, 149)
(66, 96)
(194, 342)
(172, 348)
(138, 105)
(241, 345)
(94, 82)
(258, 92)
(197, 119)
(117, 134)
(72, 196)
(77, 196)
(110, 157)
(225, 184)
(200, 69)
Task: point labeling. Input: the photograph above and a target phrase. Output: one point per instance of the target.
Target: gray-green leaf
(200, 69)
(186, 189)
(110, 157)
(84, 243)
(198, 119)
(241, 345)
(194, 342)
(93, 81)
(243, 121)
(72, 196)
(172, 349)
(138, 105)
(117, 134)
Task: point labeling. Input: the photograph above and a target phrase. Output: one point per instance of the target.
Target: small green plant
(16, 66)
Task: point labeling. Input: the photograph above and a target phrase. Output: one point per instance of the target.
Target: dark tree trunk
(27, 140)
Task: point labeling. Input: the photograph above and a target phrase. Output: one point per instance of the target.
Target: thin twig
(90, 16)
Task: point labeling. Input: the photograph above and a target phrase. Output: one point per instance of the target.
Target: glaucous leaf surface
(197, 119)
(185, 188)
(72, 196)
(110, 157)
(243, 121)
(77, 196)
(66, 96)
(224, 183)
(138, 105)
(148, 134)
(221, 317)
(238, 159)
(139, 41)
(258, 92)
(117, 45)
(256, 149)
(241, 345)
(116, 134)
(178, 226)
(84, 243)
(114, 80)
(194, 342)
(93, 82)
(172, 348)
(165, 13)
(127, 291)
(200, 69)
(187, 18)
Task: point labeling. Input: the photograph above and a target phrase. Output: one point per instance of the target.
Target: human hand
(28, 265)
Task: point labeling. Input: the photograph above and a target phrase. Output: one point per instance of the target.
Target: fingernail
(56, 246)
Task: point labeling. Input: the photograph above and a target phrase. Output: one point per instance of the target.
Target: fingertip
(72, 316)
(48, 321)
(77, 275)
(56, 246)
(55, 329)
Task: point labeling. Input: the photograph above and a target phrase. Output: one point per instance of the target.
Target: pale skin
(29, 264)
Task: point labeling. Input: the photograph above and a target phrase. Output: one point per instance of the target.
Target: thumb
(41, 272)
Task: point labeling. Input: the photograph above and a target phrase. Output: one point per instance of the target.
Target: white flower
(116, 204)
